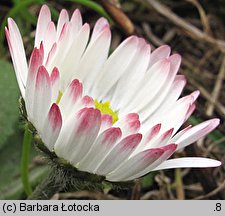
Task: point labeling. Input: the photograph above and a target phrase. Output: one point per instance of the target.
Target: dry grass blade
(217, 88)
(203, 16)
(190, 29)
(212, 193)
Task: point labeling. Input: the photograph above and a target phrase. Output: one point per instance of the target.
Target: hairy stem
(47, 188)
(63, 178)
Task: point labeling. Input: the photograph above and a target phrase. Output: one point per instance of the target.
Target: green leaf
(148, 180)
(9, 94)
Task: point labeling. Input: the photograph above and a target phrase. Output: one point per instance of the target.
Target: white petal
(18, 53)
(148, 137)
(167, 152)
(186, 162)
(91, 61)
(160, 141)
(63, 18)
(163, 90)
(69, 67)
(102, 146)
(99, 27)
(55, 82)
(165, 101)
(119, 154)
(78, 134)
(43, 21)
(158, 54)
(42, 98)
(129, 124)
(49, 39)
(128, 84)
(135, 165)
(76, 21)
(173, 117)
(115, 67)
(152, 83)
(34, 64)
(70, 99)
(196, 132)
(63, 45)
(52, 126)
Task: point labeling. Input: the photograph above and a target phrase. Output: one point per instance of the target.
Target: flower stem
(65, 178)
(25, 160)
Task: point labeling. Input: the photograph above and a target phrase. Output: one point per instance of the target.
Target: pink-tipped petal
(52, 126)
(91, 64)
(55, 82)
(102, 146)
(153, 132)
(63, 18)
(100, 25)
(158, 54)
(42, 95)
(180, 133)
(76, 21)
(17, 52)
(49, 39)
(167, 150)
(162, 140)
(78, 135)
(197, 132)
(43, 20)
(51, 54)
(135, 164)
(167, 95)
(74, 54)
(129, 124)
(152, 83)
(87, 101)
(36, 61)
(54, 76)
(107, 122)
(132, 77)
(70, 98)
(120, 153)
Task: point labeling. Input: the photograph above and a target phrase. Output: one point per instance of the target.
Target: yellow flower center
(106, 109)
(103, 107)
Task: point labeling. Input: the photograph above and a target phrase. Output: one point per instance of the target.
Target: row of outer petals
(75, 117)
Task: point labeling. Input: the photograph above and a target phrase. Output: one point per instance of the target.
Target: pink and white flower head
(117, 116)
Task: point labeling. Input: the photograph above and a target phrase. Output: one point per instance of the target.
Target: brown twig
(136, 192)
(118, 16)
(212, 193)
(203, 16)
(217, 89)
(206, 94)
(191, 30)
(205, 176)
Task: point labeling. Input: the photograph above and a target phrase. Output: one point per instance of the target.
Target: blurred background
(193, 28)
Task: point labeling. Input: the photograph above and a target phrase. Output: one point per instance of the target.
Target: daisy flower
(117, 115)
